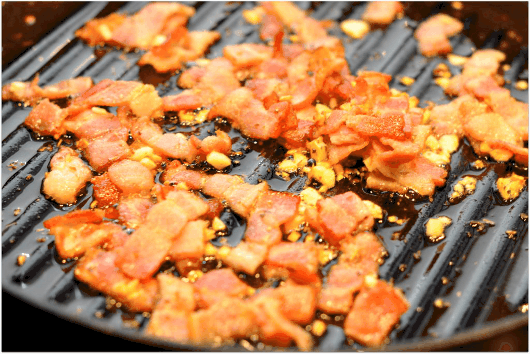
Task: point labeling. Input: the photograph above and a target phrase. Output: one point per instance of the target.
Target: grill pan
(483, 276)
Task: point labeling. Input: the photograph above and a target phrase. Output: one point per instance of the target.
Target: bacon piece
(93, 123)
(382, 12)
(67, 177)
(98, 269)
(142, 99)
(220, 142)
(190, 244)
(248, 115)
(147, 247)
(131, 177)
(180, 47)
(47, 119)
(105, 192)
(217, 284)
(227, 319)
(433, 33)
(141, 29)
(272, 210)
(488, 128)
(448, 118)
(170, 316)
(81, 230)
(106, 150)
(274, 328)
(246, 257)
(359, 258)
(132, 211)
(299, 260)
(99, 30)
(374, 313)
(298, 302)
(31, 92)
(192, 205)
(341, 216)
(247, 54)
(215, 82)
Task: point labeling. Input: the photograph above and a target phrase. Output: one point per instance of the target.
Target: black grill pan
(483, 275)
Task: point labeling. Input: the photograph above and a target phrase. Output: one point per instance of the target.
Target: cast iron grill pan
(483, 275)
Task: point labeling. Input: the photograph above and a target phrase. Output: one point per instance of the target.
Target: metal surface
(483, 275)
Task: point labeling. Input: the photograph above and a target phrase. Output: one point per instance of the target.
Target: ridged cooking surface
(480, 274)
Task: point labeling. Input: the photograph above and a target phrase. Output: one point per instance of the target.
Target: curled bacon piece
(31, 92)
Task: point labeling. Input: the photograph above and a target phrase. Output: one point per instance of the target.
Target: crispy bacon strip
(382, 12)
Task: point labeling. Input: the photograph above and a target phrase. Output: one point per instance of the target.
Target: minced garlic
(464, 187)
(511, 186)
(355, 28)
(435, 227)
(218, 160)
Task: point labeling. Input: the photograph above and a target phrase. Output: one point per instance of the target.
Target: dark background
(24, 23)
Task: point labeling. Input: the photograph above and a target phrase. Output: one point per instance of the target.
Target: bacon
(98, 269)
(447, 119)
(192, 205)
(433, 34)
(382, 12)
(298, 302)
(67, 177)
(77, 232)
(93, 123)
(515, 113)
(46, 119)
(247, 54)
(104, 191)
(137, 31)
(484, 129)
(132, 211)
(272, 210)
(248, 115)
(221, 142)
(106, 150)
(246, 257)
(190, 244)
(374, 314)
(180, 47)
(217, 284)
(217, 80)
(299, 260)
(145, 250)
(30, 91)
(170, 316)
(227, 319)
(340, 216)
(131, 177)
(141, 99)
(274, 328)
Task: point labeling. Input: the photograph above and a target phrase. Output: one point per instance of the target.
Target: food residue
(435, 227)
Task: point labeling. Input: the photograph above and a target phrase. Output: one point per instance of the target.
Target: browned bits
(407, 81)
(511, 234)
(521, 85)
(16, 211)
(445, 280)
(30, 20)
(442, 70)
(21, 259)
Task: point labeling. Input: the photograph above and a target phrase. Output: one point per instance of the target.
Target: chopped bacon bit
(170, 316)
(217, 284)
(131, 177)
(433, 34)
(93, 123)
(227, 319)
(300, 260)
(98, 269)
(145, 250)
(275, 328)
(382, 12)
(142, 99)
(190, 244)
(81, 230)
(47, 119)
(380, 308)
(104, 151)
(246, 257)
(298, 301)
(30, 91)
(132, 211)
(105, 192)
(247, 54)
(67, 177)
(98, 31)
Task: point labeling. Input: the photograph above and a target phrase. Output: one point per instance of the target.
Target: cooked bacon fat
(31, 93)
